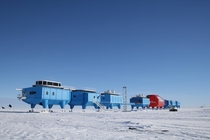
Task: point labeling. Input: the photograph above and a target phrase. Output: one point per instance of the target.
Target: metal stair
(99, 104)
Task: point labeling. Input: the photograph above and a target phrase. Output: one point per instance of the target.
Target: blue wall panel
(46, 96)
(139, 102)
(33, 95)
(167, 104)
(110, 100)
(177, 104)
(83, 98)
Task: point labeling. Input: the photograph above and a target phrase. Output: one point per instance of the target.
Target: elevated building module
(46, 93)
(139, 101)
(156, 101)
(84, 98)
(167, 104)
(177, 104)
(171, 104)
(110, 99)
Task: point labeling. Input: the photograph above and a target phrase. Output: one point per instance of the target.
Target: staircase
(99, 104)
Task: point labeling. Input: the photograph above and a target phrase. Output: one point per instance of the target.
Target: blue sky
(160, 47)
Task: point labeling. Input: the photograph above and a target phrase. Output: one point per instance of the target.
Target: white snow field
(192, 124)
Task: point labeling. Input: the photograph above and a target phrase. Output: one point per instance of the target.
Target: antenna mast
(124, 99)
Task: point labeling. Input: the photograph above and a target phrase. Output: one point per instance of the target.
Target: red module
(156, 101)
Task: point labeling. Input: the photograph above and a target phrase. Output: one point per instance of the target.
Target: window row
(49, 83)
(53, 93)
(34, 92)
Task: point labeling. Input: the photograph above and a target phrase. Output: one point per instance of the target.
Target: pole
(124, 99)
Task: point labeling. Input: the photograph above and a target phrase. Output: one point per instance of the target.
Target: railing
(99, 104)
(21, 96)
(69, 88)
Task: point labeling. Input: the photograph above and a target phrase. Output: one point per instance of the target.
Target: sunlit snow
(142, 124)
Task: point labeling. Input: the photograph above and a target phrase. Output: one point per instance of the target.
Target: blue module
(84, 98)
(177, 104)
(139, 101)
(46, 93)
(167, 104)
(173, 103)
(110, 98)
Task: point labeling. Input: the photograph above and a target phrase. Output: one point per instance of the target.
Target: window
(44, 82)
(40, 82)
(55, 84)
(49, 83)
(74, 96)
(53, 93)
(59, 84)
(94, 96)
(103, 98)
(32, 92)
(47, 93)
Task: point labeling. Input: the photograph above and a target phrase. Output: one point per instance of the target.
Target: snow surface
(106, 125)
